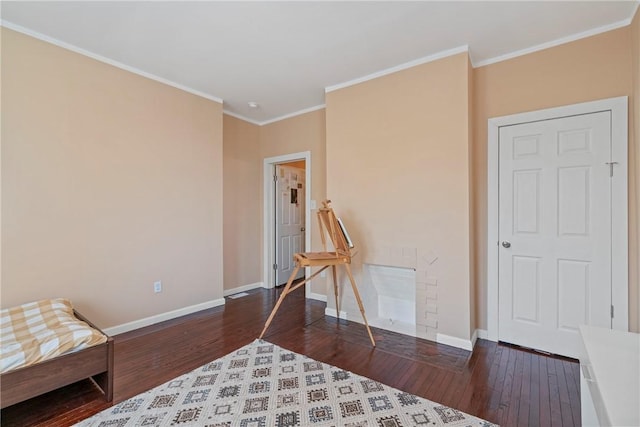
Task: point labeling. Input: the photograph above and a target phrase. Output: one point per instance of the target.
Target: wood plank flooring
(497, 382)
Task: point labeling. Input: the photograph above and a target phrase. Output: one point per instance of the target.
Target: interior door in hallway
(290, 221)
(555, 231)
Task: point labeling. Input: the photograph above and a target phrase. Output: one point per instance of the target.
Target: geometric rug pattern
(263, 385)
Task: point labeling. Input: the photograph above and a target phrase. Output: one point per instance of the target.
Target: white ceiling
(283, 55)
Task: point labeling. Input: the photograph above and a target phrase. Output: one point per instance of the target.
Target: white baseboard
(141, 323)
(482, 334)
(474, 338)
(404, 328)
(318, 297)
(461, 343)
(454, 342)
(332, 312)
(243, 288)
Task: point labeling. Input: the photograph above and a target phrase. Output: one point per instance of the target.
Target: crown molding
(295, 113)
(556, 42)
(76, 49)
(275, 119)
(241, 117)
(395, 69)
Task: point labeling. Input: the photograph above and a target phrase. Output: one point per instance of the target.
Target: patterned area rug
(263, 385)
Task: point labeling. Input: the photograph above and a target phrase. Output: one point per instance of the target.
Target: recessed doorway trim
(619, 217)
(268, 226)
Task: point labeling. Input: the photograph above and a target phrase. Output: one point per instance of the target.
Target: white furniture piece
(610, 377)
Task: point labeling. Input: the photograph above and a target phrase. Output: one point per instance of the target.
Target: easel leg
(357, 294)
(277, 306)
(335, 289)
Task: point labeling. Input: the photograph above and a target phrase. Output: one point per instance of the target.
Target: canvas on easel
(342, 245)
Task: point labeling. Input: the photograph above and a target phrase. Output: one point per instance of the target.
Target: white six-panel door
(290, 208)
(555, 231)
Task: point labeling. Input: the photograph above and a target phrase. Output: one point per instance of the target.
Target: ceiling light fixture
(253, 104)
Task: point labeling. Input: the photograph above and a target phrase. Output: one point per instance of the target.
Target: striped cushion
(41, 330)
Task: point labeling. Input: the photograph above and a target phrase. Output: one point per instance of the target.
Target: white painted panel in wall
(391, 297)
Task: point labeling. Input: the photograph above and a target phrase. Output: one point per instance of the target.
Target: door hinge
(275, 178)
(612, 312)
(611, 167)
(275, 266)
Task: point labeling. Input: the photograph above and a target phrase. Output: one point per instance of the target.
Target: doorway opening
(286, 213)
(289, 182)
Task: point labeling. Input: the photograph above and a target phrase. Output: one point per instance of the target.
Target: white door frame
(619, 230)
(268, 210)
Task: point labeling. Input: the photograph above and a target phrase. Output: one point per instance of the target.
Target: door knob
(506, 244)
(302, 229)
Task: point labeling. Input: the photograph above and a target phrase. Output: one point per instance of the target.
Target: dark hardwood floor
(497, 382)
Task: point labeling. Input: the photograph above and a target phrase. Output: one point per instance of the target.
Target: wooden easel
(342, 256)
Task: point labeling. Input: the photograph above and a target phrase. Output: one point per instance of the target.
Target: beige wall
(589, 69)
(634, 184)
(242, 203)
(110, 181)
(398, 173)
(305, 132)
